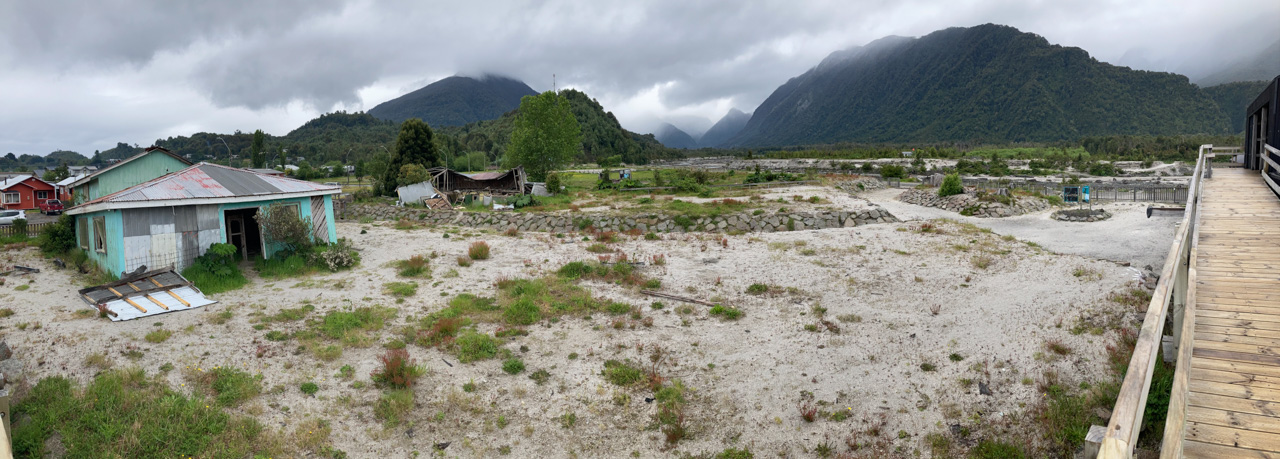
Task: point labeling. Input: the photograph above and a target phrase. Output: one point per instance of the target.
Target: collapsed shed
(454, 183)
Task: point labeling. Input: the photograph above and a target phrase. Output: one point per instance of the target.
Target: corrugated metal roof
(148, 294)
(206, 180)
(486, 175)
(6, 184)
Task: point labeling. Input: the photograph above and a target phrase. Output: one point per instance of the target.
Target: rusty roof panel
(211, 181)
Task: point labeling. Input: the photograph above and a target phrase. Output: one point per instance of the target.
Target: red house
(25, 193)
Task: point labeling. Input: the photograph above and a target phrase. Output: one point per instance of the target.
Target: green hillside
(455, 101)
(1234, 98)
(987, 83)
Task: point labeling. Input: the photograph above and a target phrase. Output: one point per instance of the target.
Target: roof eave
(101, 206)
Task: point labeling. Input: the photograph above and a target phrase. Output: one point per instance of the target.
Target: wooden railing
(1269, 165)
(1174, 296)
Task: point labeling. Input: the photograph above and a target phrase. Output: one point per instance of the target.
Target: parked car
(51, 207)
(8, 216)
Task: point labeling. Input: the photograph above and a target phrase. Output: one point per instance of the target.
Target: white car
(8, 216)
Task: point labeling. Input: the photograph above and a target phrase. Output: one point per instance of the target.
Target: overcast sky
(83, 75)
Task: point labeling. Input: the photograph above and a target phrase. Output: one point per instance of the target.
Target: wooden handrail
(1172, 289)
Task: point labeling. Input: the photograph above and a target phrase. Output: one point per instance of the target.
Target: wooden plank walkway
(1233, 394)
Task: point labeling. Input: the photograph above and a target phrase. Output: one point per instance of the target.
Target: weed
(309, 388)
(513, 366)
(398, 370)
(1086, 273)
(277, 335)
(541, 376)
(622, 373)
(926, 366)
(415, 266)
(757, 289)
(469, 386)
(568, 420)
(393, 405)
(473, 346)
(158, 336)
(1057, 347)
(599, 248)
(849, 318)
(464, 261)
(478, 250)
(229, 386)
(954, 357)
(726, 313)
(982, 261)
(6, 312)
(808, 411)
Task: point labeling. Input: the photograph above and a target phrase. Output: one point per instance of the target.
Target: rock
(5, 353)
(983, 389)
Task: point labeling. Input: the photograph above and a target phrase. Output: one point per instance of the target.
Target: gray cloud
(155, 68)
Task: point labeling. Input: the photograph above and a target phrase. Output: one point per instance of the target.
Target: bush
(893, 171)
(513, 366)
(309, 388)
(415, 266)
(553, 183)
(479, 250)
(398, 370)
(951, 185)
(336, 256)
(283, 225)
(59, 237)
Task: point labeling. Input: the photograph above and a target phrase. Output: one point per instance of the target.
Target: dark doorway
(243, 232)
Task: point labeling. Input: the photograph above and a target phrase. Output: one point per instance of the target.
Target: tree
(361, 170)
(414, 145)
(57, 174)
(546, 135)
(412, 173)
(259, 158)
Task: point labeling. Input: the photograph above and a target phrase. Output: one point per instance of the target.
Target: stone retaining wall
(1077, 215)
(565, 222)
(969, 204)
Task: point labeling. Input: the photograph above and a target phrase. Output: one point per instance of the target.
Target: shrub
(464, 261)
(415, 266)
(553, 183)
(398, 370)
(479, 250)
(309, 388)
(336, 256)
(951, 185)
(59, 237)
(513, 366)
(283, 225)
(893, 171)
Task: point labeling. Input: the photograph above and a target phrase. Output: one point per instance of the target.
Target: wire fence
(1098, 192)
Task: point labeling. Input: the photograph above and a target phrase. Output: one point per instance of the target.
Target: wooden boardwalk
(1233, 391)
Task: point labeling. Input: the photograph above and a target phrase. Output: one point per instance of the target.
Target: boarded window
(12, 198)
(100, 234)
(82, 230)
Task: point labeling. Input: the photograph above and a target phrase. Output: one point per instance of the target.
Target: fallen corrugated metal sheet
(143, 295)
(416, 192)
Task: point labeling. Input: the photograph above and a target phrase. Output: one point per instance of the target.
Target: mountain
(1262, 66)
(987, 83)
(673, 137)
(1234, 99)
(602, 135)
(728, 126)
(456, 101)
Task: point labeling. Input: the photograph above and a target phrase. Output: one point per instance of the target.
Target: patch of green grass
(276, 267)
(123, 413)
(541, 376)
(289, 315)
(227, 278)
(523, 311)
(401, 289)
(473, 346)
(6, 312)
(277, 335)
(393, 405)
(725, 312)
(309, 388)
(598, 248)
(757, 289)
(229, 386)
(158, 336)
(338, 324)
(622, 373)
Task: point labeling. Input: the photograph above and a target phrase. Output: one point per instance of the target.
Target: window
(12, 198)
(100, 234)
(42, 195)
(82, 229)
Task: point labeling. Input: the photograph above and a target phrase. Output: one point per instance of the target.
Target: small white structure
(416, 193)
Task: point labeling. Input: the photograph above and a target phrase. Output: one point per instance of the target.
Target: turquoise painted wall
(304, 208)
(113, 260)
(149, 167)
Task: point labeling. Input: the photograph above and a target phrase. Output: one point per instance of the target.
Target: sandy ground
(1128, 236)
(745, 377)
